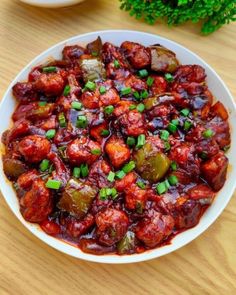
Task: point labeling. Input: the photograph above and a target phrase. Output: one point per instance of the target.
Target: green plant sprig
(214, 13)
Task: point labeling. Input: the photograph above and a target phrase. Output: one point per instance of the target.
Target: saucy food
(116, 149)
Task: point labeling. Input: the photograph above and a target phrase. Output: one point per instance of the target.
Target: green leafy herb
(212, 13)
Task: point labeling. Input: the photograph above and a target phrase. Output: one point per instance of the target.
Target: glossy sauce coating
(116, 149)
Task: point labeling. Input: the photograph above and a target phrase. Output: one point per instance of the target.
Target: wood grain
(27, 265)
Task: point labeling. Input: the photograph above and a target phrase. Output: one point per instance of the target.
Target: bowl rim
(114, 258)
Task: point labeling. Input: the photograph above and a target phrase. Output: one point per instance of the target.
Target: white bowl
(52, 3)
(185, 56)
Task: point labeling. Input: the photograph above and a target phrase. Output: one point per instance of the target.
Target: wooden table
(27, 265)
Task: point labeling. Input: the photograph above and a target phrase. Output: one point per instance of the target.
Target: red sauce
(116, 149)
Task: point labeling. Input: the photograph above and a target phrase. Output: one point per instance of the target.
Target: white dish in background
(52, 3)
(216, 85)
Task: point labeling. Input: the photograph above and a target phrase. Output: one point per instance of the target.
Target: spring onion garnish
(102, 90)
(140, 107)
(53, 184)
(207, 133)
(49, 69)
(66, 90)
(173, 180)
(126, 91)
(76, 105)
(50, 133)
(141, 141)
(130, 141)
(111, 176)
(164, 134)
(143, 73)
(116, 64)
(150, 81)
(90, 85)
(84, 170)
(185, 112)
(81, 122)
(62, 120)
(76, 172)
(96, 152)
(105, 132)
(44, 165)
(128, 167)
(120, 174)
(169, 77)
(108, 109)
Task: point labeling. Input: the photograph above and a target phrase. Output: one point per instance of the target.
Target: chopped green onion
(167, 146)
(126, 90)
(132, 107)
(76, 172)
(130, 141)
(114, 193)
(141, 184)
(172, 128)
(81, 122)
(136, 95)
(44, 165)
(116, 64)
(208, 133)
(51, 168)
(96, 152)
(53, 184)
(150, 81)
(62, 120)
(161, 188)
(173, 166)
(94, 53)
(102, 89)
(103, 194)
(203, 155)
(120, 174)
(175, 122)
(111, 176)
(105, 132)
(164, 134)
(173, 180)
(141, 141)
(49, 69)
(128, 167)
(167, 184)
(140, 107)
(42, 103)
(109, 109)
(84, 170)
(143, 73)
(187, 125)
(144, 94)
(66, 90)
(90, 85)
(185, 112)
(50, 133)
(169, 77)
(76, 105)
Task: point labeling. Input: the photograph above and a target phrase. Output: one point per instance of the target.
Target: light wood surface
(27, 265)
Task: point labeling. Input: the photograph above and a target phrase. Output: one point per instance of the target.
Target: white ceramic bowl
(185, 56)
(52, 3)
